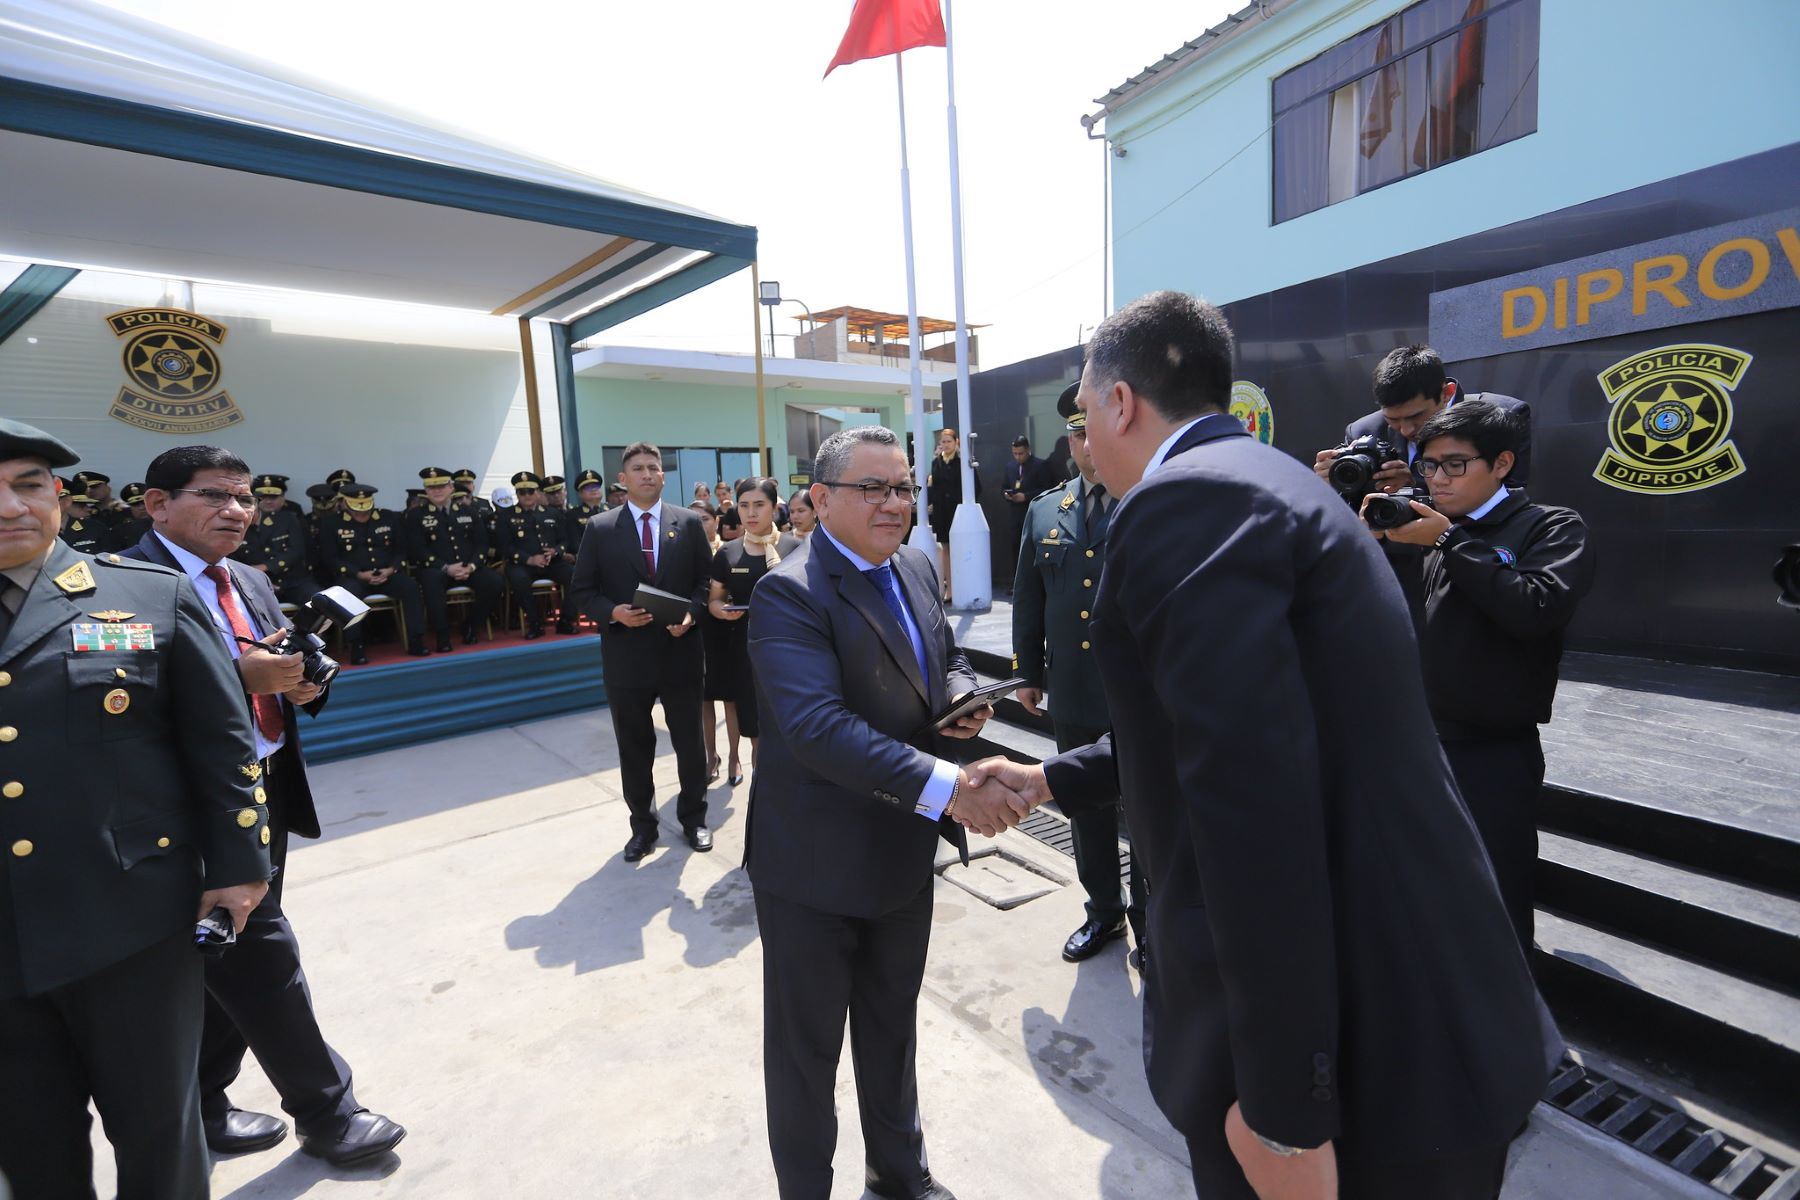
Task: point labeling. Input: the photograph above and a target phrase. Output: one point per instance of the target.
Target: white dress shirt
(637, 528)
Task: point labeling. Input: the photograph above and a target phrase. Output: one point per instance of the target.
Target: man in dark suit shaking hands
(1337, 1005)
(663, 545)
(852, 657)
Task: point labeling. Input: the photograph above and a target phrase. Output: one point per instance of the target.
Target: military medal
(117, 701)
(112, 635)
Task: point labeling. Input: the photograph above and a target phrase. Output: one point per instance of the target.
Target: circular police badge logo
(1670, 422)
(172, 372)
(171, 364)
(1250, 405)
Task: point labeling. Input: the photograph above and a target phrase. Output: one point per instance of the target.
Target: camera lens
(1351, 472)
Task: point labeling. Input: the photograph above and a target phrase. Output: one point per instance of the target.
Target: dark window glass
(1440, 81)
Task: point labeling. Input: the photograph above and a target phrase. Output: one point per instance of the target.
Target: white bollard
(971, 563)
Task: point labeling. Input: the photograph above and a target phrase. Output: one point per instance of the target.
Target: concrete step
(1677, 1019)
(1749, 932)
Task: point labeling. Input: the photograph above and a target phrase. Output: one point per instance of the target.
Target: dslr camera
(333, 606)
(1352, 472)
(1391, 510)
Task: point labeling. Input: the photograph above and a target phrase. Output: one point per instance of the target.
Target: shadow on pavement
(295, 1175)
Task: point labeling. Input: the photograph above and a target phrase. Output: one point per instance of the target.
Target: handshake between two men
(993, 794)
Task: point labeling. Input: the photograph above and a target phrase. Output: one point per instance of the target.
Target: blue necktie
(889, 587)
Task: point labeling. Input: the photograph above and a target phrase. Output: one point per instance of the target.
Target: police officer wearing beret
(448, 547)
(104, 664)
(1061, 550)
(279, 543)
(530, 537)
(364, 552)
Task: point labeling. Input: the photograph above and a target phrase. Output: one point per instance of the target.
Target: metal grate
(1725, 1163)
(1056, 832)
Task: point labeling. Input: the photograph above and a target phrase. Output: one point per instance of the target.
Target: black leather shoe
(639, 845)
(565, 627)
(700, 838)
(364, 1136)
(1088, 941)
(240, 1132)
(536, 631)
(416, 648)
(929, 1189)
(469, 634)
(444, 646)
(359, 654)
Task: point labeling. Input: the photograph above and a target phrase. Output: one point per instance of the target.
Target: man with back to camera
(200, 505)
(1060, 554)
(853, 656)
(1411, 388)
(103, 661)
(646, 540)
(1318, 1022)
(1502, 579)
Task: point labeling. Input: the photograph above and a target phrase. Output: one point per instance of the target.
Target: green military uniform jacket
(127, 767)
(1053, 592)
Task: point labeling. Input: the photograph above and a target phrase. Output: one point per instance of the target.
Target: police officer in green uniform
(124, 819)
(279, 544)
(530, 537)
(136, 524)
(447, 546)
(1061, 550)
(364, 550)
(82, 530)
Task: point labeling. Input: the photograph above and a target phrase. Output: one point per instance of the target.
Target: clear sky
(719, 104)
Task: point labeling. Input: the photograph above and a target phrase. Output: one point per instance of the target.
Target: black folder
(666, 607)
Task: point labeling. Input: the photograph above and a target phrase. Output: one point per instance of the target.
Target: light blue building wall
(1629, 92)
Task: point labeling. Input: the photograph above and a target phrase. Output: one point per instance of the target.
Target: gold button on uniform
(13, 790)
(5, 678)
(247, 817)
(262, 797)
(265, 835)
(162, 843)
(119, 671)
(1090, 554)
(8, 733)
(1087, 583)
(22, 848)
(1084, 614)
(1084, 645)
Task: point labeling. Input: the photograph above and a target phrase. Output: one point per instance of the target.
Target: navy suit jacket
(1328, 945)
(842, 760)
(292, 794)
(1518, 477)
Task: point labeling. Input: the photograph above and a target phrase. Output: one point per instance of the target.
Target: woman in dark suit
(943, 493)
(710, 634)
(736, 568)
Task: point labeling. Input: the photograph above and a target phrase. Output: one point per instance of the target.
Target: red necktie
(649, 547)
(267, 709)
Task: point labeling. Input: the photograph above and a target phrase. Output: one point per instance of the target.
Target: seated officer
(81, 530)
(137, 520)
(278, 543)
(465, 480)
(530, 537)
(1502, 579)
(592, 492)
(363, 551)
(447, 545)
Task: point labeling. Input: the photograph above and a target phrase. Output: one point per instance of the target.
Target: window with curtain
(1438, 81)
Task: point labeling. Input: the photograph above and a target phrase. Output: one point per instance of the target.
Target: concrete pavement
(550, 1021)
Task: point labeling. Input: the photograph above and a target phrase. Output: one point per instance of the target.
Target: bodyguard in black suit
(1335, 997)
(1025, 477)
(257, 996)
(648, 541)
(103, 665)
(852, 656)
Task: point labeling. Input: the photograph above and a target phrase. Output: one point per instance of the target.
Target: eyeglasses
(214, 498)
(878, 493)
(1453, 467)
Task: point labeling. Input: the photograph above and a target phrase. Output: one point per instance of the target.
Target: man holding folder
(645, 541)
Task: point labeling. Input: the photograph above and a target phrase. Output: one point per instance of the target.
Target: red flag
(882, 27)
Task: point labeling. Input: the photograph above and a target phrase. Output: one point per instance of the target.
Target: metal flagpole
(971, 569)
(921, 534)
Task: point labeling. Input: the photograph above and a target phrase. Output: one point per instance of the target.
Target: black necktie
(1098, 510)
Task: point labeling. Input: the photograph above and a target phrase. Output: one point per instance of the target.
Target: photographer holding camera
(1410, 389)
(1502, 578)
(201, 507)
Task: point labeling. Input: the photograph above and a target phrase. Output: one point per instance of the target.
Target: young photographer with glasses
(1502, 579)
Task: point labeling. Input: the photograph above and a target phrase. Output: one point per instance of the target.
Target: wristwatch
(1443, 539)
(1275, 1147)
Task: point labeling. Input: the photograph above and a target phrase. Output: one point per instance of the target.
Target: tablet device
(986, 694)
(735, 607)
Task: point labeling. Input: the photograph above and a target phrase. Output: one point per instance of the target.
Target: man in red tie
(201, 506)
(663, 545)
